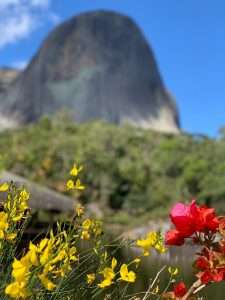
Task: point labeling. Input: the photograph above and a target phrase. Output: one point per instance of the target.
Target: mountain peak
(99, 66)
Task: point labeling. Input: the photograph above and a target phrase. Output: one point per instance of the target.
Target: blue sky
(187, 37)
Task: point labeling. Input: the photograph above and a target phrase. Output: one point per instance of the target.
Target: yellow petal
(4, 187)
(114, 263)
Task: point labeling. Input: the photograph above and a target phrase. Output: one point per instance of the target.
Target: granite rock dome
(99, 66)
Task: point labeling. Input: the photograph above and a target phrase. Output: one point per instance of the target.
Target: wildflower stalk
(153, 283)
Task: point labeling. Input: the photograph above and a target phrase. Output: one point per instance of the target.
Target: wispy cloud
(6, 3)
(20, 64)
(19, 18)
(43, 3)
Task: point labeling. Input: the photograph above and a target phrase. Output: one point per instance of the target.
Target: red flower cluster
(190, 219)
(207, 230)
(211, 263)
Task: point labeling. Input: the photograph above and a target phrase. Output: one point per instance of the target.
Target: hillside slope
(126, 169)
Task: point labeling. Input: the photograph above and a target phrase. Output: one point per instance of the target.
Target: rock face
(7, 76)
(98, 65)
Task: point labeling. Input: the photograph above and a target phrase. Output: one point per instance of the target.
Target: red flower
(206, 277)
(218, 276)
(174, 238)
(202, 263)
(192, 218)
(182, 218)
(205, 219)
(180, 289)
(210, 276)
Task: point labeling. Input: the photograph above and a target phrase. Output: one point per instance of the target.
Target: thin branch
(153, 283)
(196, 285)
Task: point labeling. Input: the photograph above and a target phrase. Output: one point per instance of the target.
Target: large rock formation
(99, 66)
(7, 76)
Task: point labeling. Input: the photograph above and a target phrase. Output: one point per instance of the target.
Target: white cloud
(19, 18)
(20, 64)
(14, 28)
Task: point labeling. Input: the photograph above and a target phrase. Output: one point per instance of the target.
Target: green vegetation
(127, 170)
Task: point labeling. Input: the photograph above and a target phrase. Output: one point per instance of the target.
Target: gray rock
(7, 76)
(41, 197)
(99, 66)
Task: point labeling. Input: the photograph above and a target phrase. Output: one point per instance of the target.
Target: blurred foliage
(135, 171)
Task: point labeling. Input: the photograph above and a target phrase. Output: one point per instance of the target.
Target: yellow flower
(72, 254)
(85, 235)
(70, 185)
(160, 247)
(43, 244)
(153, 240)
(146, 245)
(24, 195)
(114, 263)
(173, 271)
(137, 260)
(17, 290)
(44, 256)
(90, 278)
(78, 185)
(86, 224)
(75, 186)
(126, 275)
(21, 268)
(48, 284)
(4, 187)
(33, 254)
(75, 170)
(10, 236)
(60, 256)
(79, 209)
(108, 274)
(105, 283)
(3, 224)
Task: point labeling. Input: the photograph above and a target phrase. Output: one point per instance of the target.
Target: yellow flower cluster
(46, 265)
(91, 228)
(46, 262)
(17, 204)
(152, 240)
(109, 274)
(75, 183)
(14, 210)
(4, 228)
